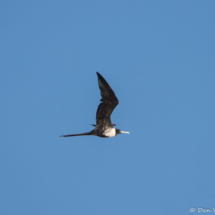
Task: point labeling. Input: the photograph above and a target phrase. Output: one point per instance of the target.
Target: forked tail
(72, 135)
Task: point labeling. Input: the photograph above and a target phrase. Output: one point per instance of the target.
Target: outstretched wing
(108, 102)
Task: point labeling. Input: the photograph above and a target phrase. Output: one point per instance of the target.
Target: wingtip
(98, 74)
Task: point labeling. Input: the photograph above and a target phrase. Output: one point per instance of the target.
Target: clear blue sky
(159, 58)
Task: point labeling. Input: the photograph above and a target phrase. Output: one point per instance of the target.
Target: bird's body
(103, 127)
(110, 132)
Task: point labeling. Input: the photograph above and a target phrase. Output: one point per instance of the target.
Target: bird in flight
(103, 127)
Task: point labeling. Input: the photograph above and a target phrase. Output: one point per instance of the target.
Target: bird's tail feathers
(72, 135)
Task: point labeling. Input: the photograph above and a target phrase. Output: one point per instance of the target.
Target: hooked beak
(124, 132)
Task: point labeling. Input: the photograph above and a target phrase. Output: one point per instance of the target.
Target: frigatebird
(103, 127)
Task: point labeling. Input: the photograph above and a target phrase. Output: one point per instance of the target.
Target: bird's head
(121, 132)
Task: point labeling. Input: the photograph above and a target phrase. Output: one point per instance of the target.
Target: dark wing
(108, 102)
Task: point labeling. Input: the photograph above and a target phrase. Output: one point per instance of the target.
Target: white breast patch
(111, 132)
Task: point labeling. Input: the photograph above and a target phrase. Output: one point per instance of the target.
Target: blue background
(159, 58)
